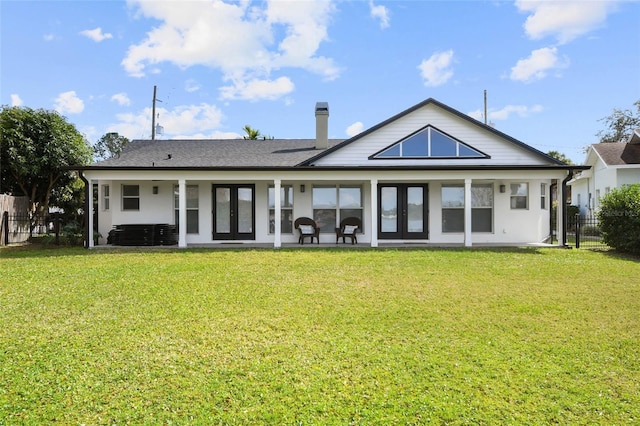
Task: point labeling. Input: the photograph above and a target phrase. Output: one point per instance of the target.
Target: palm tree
(251, 133)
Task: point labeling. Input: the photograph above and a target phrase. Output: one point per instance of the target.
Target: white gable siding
(628, 176)
(502, 152)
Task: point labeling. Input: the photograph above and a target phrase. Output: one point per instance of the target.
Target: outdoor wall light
(503, 188)
(302, 188)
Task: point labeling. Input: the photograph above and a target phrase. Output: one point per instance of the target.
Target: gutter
(439, 167)
(87, 188)
(564, 208)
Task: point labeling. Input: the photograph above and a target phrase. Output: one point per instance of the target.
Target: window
(105, 197)
(192, 208)
(130, 197)
(452, 208)
(331, 204)
(519, 196)
(286, 209)
(481, 208)
(430, 143)
(543, 196)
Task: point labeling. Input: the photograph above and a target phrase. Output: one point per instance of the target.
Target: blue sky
(551, 69)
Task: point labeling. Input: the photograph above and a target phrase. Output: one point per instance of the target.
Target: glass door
(403, 211)
(233, 212)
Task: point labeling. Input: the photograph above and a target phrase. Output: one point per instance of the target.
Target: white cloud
(187, 121)
(566, 20)
(538, 65)
(49, 37)
(381, 13)
(245, 41)
(436, 70)
(96, 34)
(90, 133)
(68, 102)
(355, 129)
(191, 86)
(122, 99)
(257, 89)
(507, 111)
(16, 100)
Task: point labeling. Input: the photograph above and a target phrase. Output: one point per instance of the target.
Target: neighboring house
(429, 174)
(612, 165)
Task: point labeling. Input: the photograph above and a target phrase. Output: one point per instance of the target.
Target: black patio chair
(349, 227)
(308, 228)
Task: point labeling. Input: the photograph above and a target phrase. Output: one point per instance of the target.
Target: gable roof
(213, 153)
(431, 101)
(242, 154)
(618, 154)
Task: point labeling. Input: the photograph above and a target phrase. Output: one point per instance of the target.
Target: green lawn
(322, 336)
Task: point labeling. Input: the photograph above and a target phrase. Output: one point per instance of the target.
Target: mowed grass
(319, 337)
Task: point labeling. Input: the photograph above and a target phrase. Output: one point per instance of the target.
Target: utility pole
(153, 114)
(485, 106)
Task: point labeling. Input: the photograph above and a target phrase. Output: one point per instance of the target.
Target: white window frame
(105, 197)
(476, 206)
(543, 196)
(456, 206)
(130, 197)
(516, 195)
(286, 211)
(338, 205)
(459, 207)
(193, 205)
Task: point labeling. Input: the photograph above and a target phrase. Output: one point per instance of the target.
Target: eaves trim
(348, 168)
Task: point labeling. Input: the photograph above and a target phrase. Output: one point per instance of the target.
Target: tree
(251, 133)
(110, 145)
(37, 147)
(619, 218)
(620, 124)
(560, 156)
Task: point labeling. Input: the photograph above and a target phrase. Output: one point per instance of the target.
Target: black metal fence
(50, 229)
(584, 232)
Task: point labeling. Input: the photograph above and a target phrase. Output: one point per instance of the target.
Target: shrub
(73, 233)
(619, 218)
(591, 230)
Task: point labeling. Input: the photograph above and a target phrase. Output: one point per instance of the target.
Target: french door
(403, 211)
(233, 212)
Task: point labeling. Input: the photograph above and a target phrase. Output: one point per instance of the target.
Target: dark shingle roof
(618, 154)
(215, 153)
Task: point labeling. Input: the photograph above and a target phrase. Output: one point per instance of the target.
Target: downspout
(87, 188)
(564, 208)
(553, 188)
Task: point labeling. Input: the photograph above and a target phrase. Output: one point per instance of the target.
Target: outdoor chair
(308, 228)
(348, 229)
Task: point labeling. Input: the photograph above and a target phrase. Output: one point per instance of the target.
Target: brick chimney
(322, 125)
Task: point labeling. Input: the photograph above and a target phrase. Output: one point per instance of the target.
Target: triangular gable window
(429, 143)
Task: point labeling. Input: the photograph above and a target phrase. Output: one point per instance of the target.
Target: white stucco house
(428, 175)
(612, 166)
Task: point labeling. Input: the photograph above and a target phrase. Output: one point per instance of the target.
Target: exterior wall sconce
(302, 188)
(155, 190)
(503, 189)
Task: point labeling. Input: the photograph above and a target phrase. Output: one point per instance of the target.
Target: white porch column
(90, 213)
(374, 212)
(277, 241)
(467, 213)
(182, 213)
